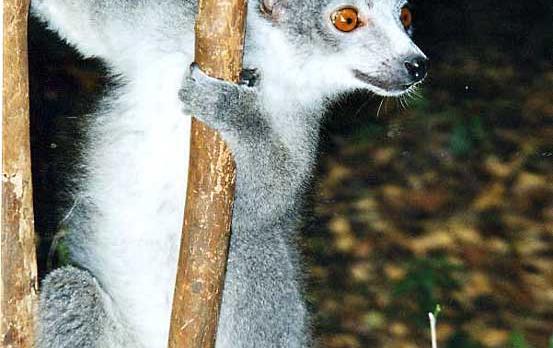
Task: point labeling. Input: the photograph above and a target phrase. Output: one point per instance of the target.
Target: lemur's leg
(224, 106)
(71, 311)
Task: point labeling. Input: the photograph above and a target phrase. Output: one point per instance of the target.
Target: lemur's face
(356, 43)
(374, 39)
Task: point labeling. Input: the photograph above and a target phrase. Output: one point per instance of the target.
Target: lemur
(126, 222)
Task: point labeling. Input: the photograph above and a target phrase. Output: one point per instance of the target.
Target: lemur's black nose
(417, 68)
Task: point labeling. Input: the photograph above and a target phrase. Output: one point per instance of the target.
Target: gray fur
(73, 312)
(262, 301)
(70, 305)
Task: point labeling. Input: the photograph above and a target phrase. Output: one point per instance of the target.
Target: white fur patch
(139, 166)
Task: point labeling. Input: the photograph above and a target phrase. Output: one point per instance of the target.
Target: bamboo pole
(220, 28)
(18, 269)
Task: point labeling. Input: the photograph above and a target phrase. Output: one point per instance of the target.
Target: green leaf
(517, 340)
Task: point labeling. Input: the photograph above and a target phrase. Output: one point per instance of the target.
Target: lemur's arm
(117, 30)
(230, 108)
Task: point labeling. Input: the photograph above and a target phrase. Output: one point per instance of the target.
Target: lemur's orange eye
(345, 19)
(406, 17)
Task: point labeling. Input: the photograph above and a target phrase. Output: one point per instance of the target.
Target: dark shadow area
(63, 90)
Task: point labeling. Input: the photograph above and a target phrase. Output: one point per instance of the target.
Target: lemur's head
(352, 43)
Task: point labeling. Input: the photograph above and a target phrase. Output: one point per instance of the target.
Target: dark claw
(194, 70)
(194, 66)
(249, 77)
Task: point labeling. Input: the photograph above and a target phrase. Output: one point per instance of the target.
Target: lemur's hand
(248, 76)
(203, 96)
(218, 103)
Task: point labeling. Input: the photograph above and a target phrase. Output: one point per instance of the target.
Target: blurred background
(440, 199)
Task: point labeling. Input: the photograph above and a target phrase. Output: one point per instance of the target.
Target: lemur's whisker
(380, 107)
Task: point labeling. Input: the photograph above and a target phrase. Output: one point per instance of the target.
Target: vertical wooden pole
(18, 269)
(220, 28)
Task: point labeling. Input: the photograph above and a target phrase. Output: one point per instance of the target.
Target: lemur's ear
(273, 9)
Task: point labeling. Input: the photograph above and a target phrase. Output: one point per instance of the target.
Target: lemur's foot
(249, 77)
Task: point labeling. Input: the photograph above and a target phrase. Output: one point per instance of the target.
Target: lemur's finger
(249, 77)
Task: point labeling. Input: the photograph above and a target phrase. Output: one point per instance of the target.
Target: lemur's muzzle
(417, 67)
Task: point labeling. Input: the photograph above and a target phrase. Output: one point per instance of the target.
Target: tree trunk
(208, 214)
(18, 270)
